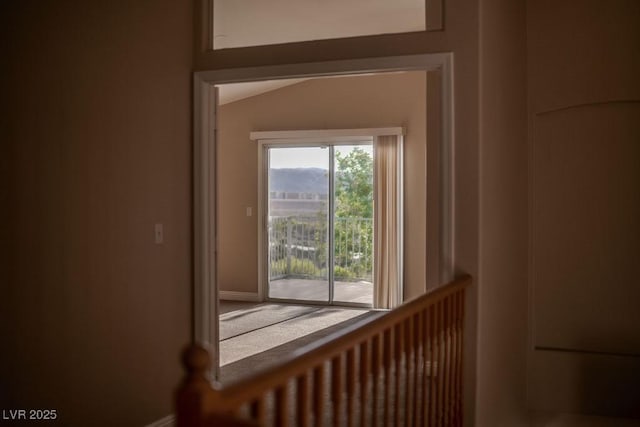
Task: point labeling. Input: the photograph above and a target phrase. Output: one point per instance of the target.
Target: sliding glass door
(353, 224)
(298, 218)
(320, 223)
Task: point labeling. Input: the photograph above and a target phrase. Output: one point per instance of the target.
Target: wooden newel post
(194, 397)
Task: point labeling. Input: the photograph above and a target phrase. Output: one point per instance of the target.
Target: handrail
(423, 335)
(328, 346)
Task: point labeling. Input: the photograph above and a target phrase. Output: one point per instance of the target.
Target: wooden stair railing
(402, 368)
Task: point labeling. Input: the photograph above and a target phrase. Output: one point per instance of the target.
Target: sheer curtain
(387, 234)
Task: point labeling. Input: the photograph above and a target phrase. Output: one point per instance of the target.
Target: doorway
(439, 139)
(319, 222)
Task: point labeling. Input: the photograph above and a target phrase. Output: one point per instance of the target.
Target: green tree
(354, 212)
(354, 184)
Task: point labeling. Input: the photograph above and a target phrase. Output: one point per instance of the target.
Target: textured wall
(584, 110)
(502, 322)
(96, 127)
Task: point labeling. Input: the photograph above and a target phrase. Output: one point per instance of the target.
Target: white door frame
(204, 123)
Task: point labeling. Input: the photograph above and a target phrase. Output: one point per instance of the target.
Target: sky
(307, 157)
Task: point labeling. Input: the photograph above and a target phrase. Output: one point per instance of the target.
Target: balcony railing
(298, 247)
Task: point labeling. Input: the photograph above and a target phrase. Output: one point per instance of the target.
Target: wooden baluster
(281, 407)
(461, 326)
(418, 346)
(453, 336)
(454, 367)
(397, 349)
(445, 365)
(436, 365)
(459, 359)
(460, 356)
(440, 360)
(408, 377)
(386, 360)
(426, 369)
(375, 378)
(452, 359)
(448, 348)
(318, 396)
(433, 398)
(351, 385)
(302, 397)
(428, 414)
(364, 382)
(336, 388)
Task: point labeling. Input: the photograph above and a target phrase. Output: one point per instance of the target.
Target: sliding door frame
(291, 139)
(204, 133)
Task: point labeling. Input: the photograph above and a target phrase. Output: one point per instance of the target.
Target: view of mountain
(299, 180)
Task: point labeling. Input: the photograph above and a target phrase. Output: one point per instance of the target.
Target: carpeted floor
(255, 317)
(253, 336)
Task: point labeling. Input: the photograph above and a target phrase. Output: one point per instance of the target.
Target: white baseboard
(168, 421)
(239, 296)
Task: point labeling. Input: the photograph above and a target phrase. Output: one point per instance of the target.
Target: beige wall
(334, 103)
(502, 321)
(96, 124)
(584, 110)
